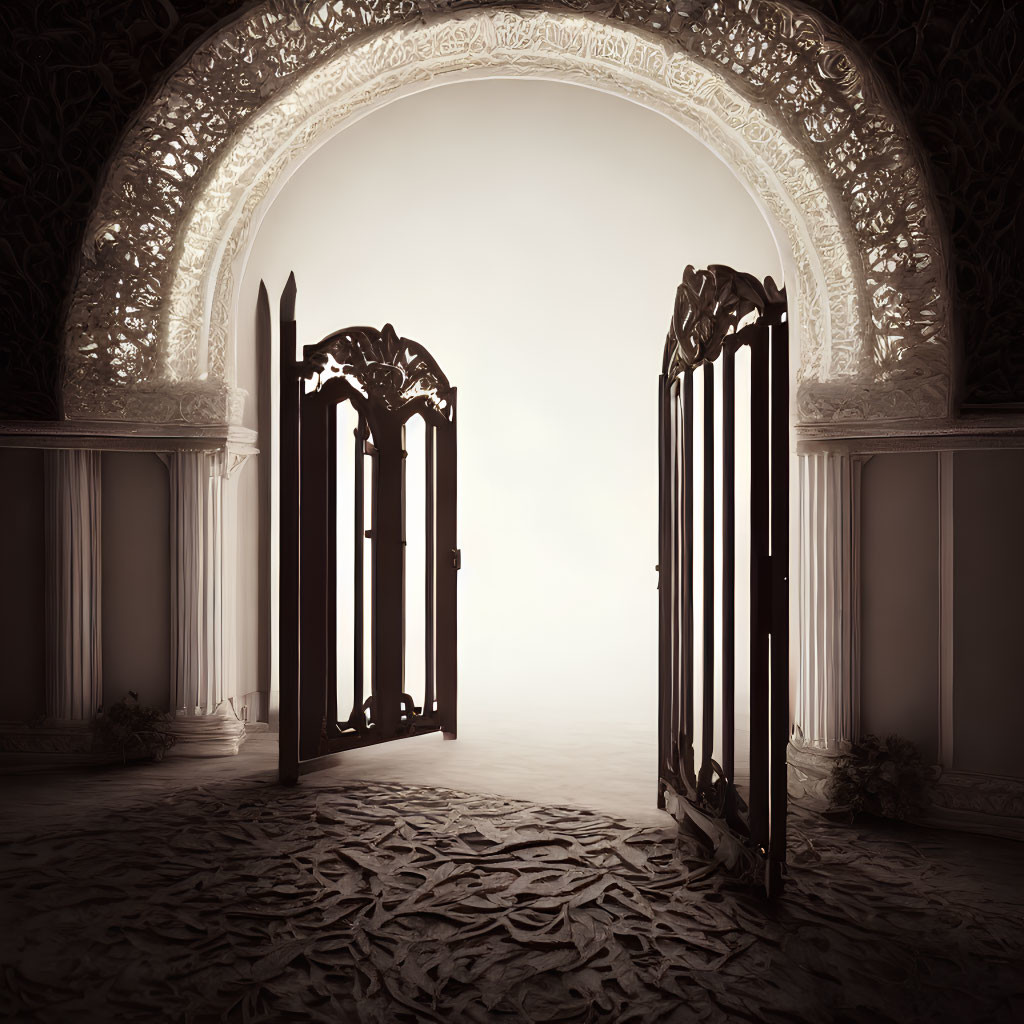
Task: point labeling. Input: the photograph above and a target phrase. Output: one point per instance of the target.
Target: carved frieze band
(776, 93)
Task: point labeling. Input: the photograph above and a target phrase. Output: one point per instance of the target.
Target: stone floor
(202, 891)
(582, 765)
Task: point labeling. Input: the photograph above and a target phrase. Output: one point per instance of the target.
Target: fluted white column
(828, 694)
(197, 581)
(206, 724)
(74, 686)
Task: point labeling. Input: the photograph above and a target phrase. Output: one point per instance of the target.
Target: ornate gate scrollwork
(386, 381)
(727, 347)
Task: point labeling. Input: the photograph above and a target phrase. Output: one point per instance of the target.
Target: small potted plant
(132, 730)
(883, 777)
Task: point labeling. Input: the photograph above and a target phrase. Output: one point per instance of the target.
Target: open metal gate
(723, 566)
(345, 410)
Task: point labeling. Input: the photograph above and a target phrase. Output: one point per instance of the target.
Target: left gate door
(367, 634)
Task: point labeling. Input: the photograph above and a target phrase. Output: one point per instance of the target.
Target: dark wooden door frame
(717, 311)
(387, 380)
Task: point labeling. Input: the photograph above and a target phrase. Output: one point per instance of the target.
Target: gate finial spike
(288, 299)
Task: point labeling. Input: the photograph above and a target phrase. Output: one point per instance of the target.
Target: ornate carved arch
(775, 91)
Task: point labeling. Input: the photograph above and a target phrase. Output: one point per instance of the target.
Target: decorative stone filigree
(776, 93)
(710, 305)
(379, 364)
(163, 401)
(773, 168)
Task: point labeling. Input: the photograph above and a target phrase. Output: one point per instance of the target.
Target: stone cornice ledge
(972, 430)
(107, 435)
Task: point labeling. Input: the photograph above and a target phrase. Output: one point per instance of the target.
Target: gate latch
(456, 558)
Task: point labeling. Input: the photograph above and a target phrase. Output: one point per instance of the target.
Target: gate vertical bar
(403, 524)
(779, 721)
(677, 599)
(371, 532)
(313, 574)
(331, 695)
(729, 564)
(358, 590)
(666, 577)
(447, 561)
(760, 586)
(288, 582)
(388, 578)
(708, 645)
(686, 687)
(430, 434)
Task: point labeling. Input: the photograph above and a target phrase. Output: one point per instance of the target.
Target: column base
(217, 734)
(51, 736)
(982, 804)
(986, 804)
(809, 769)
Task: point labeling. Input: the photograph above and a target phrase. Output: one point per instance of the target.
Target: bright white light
(531, 235)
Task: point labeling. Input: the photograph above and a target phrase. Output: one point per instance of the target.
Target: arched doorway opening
(779, 95)
(547, 300)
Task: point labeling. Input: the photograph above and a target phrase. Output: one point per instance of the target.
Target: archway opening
(531, 234)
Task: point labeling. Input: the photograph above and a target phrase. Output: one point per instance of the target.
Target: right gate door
(723, 567)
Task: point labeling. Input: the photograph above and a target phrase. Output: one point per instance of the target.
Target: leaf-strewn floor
(381, 902)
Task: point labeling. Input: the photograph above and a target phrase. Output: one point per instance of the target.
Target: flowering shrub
(132, 730)
(884, 777)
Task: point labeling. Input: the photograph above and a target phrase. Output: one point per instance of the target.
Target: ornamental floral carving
(391, 370)
(710, 305)
(776, 92)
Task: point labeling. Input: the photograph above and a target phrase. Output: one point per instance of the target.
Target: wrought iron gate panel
(387, 380)
(718, 312)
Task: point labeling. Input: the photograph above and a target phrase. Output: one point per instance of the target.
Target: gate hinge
(456, 558)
